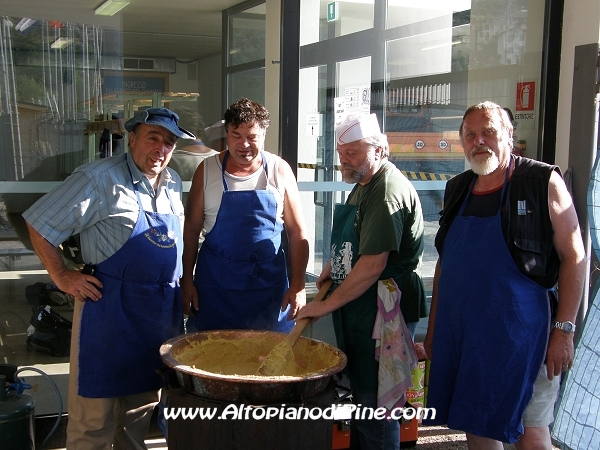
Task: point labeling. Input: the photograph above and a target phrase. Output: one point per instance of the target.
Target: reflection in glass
(405, 12)
(51, 86)
(498, 32)
(51, 89)
(441, 56)
(326, 19)
(353, 79)
(315, 154)
(249, 84)
(247, 35)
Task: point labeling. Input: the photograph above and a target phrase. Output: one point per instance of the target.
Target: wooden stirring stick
(277, 358)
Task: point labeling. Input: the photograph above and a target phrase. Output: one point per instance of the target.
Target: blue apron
(241, 275)
(491, 332)
(140, 308)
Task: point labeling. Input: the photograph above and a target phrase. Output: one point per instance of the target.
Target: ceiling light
(61, 42)
(111, 7)
(24, 23)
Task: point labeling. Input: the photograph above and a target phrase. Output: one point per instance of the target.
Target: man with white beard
(497, 338)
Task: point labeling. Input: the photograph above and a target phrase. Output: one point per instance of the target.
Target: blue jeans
(371, 434)
(412, 328)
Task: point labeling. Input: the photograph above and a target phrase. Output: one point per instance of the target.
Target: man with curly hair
(239, 202)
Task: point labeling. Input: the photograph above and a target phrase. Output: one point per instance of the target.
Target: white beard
(484, 165)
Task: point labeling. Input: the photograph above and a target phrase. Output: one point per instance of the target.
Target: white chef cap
(356, 127)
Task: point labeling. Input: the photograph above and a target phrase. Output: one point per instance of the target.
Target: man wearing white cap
(127, 210)
(376, 247)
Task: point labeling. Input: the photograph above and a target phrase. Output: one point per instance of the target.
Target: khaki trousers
(105, 423)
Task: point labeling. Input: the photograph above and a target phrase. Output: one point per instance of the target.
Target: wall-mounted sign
(526, 96)
(339, 104)
(313, 124)
(358, 99)
(333, 11)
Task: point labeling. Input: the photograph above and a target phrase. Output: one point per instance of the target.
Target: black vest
(525, 218)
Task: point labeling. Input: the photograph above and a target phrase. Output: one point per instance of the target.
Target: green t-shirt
(389, 218)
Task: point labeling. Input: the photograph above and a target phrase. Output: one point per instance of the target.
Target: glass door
(418, 67)
(318, 176)
(244, 51)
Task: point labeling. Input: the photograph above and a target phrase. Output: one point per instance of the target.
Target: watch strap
(567, 327)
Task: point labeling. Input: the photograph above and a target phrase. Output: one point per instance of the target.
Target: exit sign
(333, 11)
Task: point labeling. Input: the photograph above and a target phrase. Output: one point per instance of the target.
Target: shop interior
(72, 73)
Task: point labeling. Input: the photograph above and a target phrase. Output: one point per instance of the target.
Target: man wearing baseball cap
(376, 248)
(127, 210)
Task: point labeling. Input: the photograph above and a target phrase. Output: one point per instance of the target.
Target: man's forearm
(298, 261)
(190, 253)
(571, 278)
(48, 254)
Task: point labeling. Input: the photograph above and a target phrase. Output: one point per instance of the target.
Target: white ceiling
(182, 29)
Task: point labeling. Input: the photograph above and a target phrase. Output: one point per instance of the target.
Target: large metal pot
(251, 389)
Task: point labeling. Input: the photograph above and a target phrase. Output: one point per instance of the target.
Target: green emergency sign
(333, 11)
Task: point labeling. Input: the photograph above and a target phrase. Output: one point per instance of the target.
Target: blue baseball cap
(162, 117)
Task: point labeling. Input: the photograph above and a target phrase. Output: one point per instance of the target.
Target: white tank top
(213, 186)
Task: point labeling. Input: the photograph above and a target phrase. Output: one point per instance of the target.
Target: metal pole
(14, 113)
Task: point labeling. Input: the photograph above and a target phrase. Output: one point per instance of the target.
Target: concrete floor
(430, 438)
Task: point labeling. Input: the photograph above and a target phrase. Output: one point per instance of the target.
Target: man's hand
(296, 300)
(561, 349)
(315, 310)
(189, 297)
(79, 285)
(325, 275)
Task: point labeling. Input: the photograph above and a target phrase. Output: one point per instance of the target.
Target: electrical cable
(60, 409)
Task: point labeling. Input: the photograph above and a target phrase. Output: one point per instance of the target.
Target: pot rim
(178, 341)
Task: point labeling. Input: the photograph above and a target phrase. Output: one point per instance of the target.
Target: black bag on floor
(41, 293)
(49, 332)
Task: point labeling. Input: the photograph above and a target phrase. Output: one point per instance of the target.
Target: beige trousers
(104, 423)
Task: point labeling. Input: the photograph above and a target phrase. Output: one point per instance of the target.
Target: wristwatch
(567, 327)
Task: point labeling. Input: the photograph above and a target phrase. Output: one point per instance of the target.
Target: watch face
(568, 327)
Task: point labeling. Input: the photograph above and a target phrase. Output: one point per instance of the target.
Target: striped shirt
(98, 201)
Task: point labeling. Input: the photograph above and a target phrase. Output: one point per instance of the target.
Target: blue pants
(371, 434)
